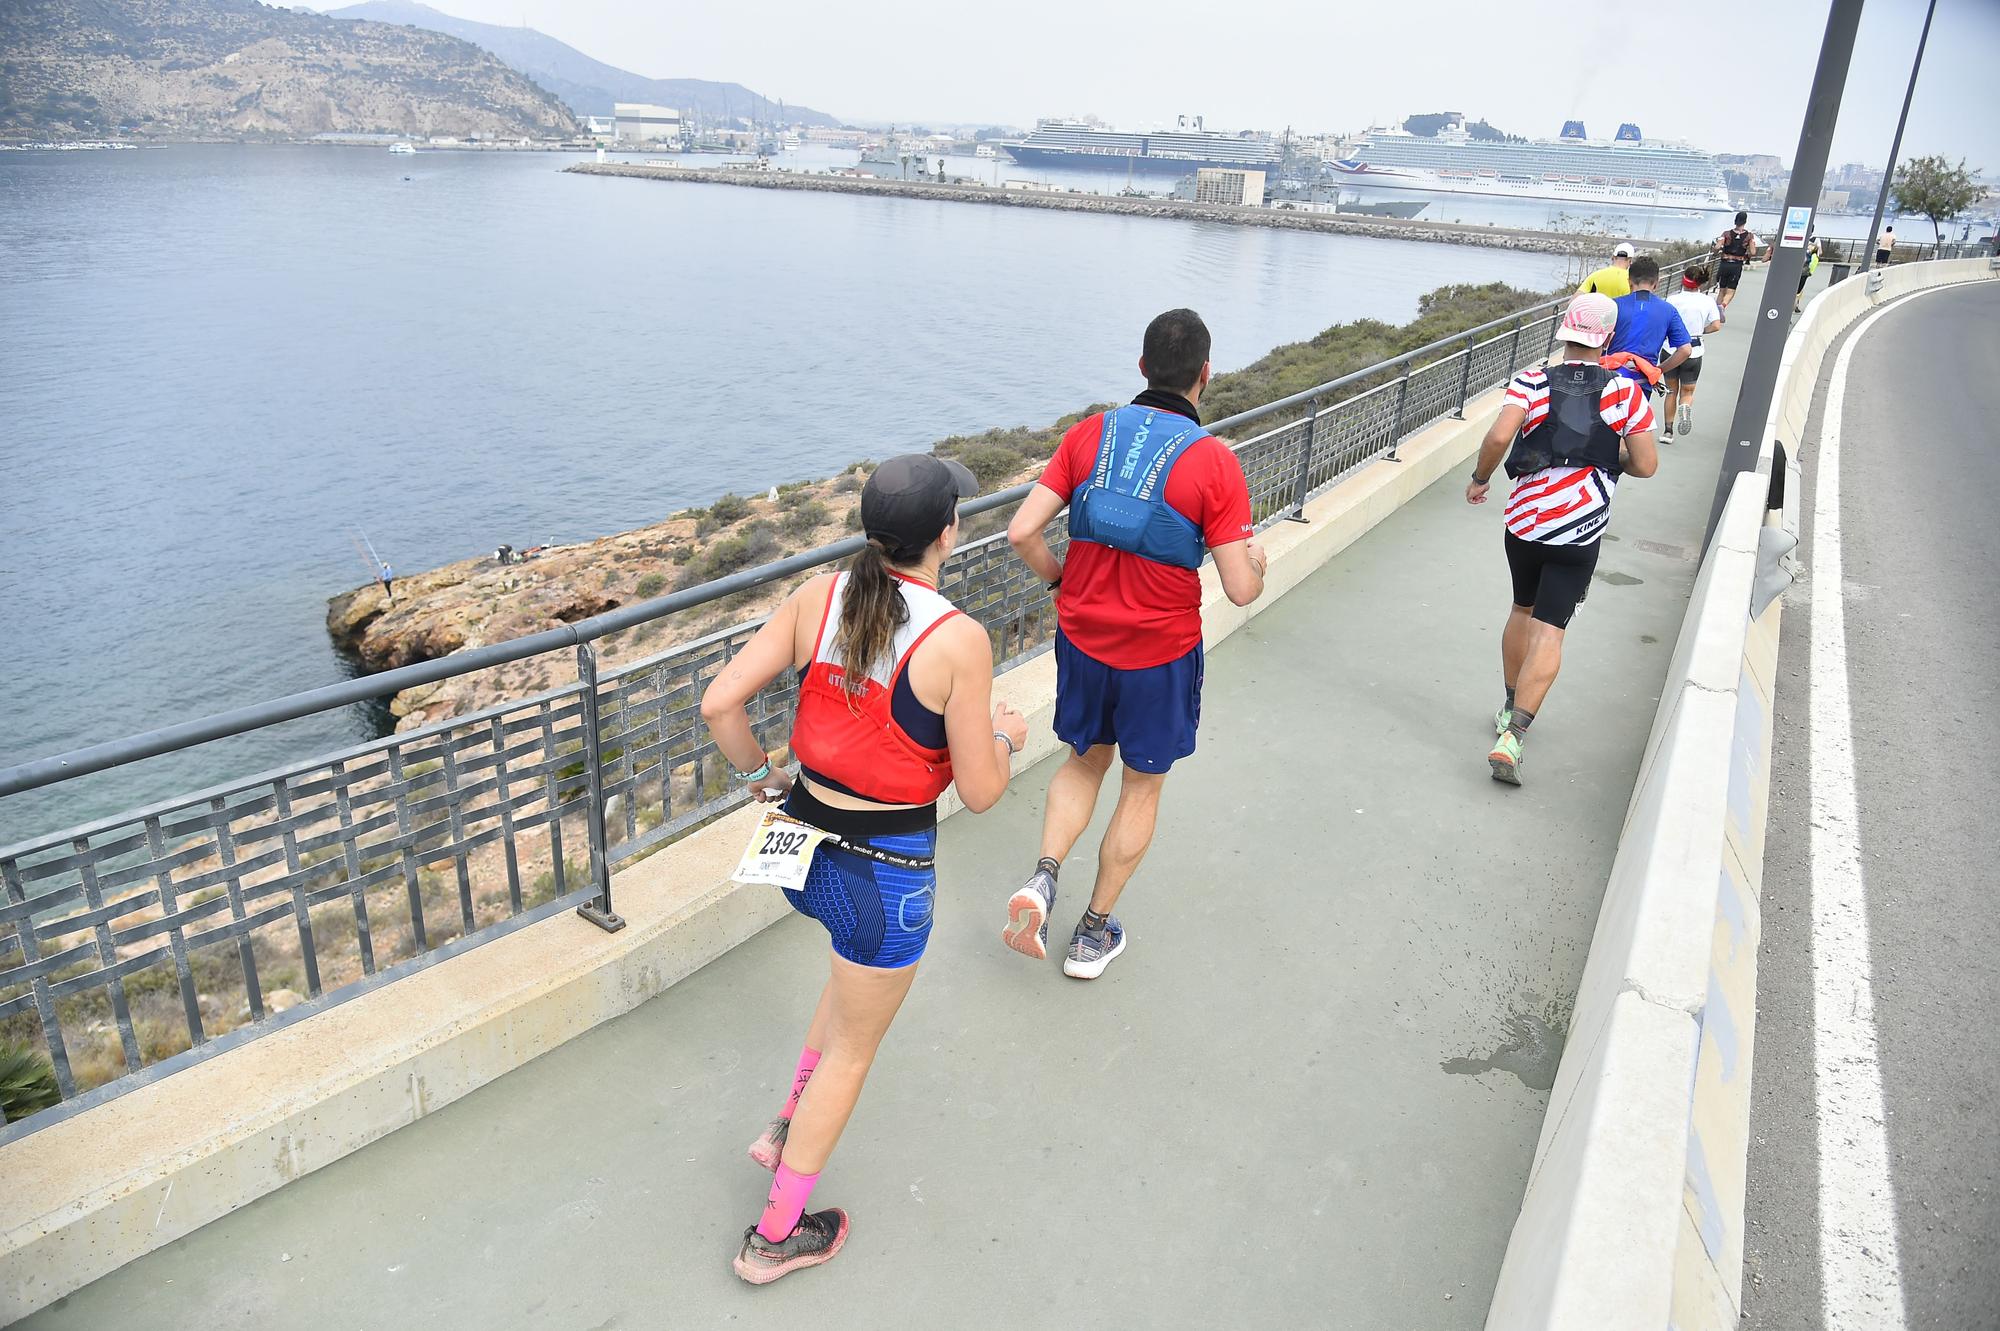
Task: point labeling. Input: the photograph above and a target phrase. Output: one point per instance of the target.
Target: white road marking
(1860, 1269)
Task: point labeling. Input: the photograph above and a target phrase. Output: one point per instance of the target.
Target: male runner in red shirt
(1128, 643)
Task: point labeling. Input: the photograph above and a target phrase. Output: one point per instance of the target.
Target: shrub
(27, 1082)
(847, 484)
(650, 586)
(755, 545)
(991, 463)
(682, 553)
(802, 520)
(796, 495)
(730, 508)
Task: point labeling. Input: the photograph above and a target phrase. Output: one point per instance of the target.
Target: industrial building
(638, 121)
(1220, 184)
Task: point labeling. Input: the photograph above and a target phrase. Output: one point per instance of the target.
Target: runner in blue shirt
(1646, 322)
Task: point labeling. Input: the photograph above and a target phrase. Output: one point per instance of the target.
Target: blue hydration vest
(1123, 505)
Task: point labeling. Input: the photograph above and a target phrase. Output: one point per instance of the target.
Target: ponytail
(870, 613)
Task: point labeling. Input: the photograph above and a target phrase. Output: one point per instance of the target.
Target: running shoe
(1027, 930)
(1505, 760)
(1501, 720)
(768, 1149)
(1090, 953)
(1667, 435)
(1686, 422)
(816, 1240)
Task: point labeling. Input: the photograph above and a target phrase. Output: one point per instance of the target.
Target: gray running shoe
(817, 1238)
(1090, 952)
(1686, 421)
(1027, 930)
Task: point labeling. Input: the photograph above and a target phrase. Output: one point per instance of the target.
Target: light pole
(1896, 144)
(1788, 256)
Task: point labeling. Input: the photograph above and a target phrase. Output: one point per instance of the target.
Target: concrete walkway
(1307, 1094)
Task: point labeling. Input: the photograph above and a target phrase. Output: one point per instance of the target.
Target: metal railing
(1841, 249)
(304, 886)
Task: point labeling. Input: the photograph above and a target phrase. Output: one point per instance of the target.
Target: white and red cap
(1589, 320)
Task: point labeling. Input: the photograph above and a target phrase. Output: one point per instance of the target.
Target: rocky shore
(1381, 228)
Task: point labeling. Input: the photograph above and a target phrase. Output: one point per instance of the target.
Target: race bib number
(780, 851)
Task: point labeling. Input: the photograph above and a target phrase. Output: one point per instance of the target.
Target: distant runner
(388, 577)
(1886, 245)
(1736, 247)
(1611, 280)
(1149, 491)
(1575, 428)
(1702, 315)
(1806, 270)
(895, 687)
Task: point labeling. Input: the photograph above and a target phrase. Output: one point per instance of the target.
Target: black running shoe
(816, 1240)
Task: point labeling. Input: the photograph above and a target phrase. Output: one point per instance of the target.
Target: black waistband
(857, 824)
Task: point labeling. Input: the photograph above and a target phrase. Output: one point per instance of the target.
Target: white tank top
(927, 608)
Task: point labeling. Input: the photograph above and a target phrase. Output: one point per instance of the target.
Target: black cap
(910, 500)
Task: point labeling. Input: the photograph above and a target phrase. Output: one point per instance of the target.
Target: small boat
(401, 148)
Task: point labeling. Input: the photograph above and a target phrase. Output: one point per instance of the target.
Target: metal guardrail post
(598, 912)
(1396, 425)
(1464, 382)
(1304, 482)
(1514, 350)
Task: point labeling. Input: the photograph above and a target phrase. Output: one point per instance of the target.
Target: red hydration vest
(853, 738)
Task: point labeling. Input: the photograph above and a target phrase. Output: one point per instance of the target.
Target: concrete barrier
(1633, 1214)
(89, 1194)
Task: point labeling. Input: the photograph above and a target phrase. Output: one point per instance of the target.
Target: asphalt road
(1920, 477)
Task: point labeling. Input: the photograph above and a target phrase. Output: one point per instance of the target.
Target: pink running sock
(789, 1192)
(808, 1060)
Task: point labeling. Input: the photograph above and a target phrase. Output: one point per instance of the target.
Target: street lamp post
(1788, 256)
(1896, 144)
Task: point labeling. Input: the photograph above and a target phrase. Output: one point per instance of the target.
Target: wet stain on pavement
(1647, 638)
(1617, 579)
(1530, 1047)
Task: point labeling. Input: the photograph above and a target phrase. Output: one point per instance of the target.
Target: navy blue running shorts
(875, 914)
(1150, 714)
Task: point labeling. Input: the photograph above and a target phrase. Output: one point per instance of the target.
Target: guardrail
(1840, 249)
(306, 885)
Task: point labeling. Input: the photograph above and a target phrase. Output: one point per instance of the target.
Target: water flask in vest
(1574, 433)
(1124, 505)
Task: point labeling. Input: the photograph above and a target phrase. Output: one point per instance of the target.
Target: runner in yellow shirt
(1611, 280)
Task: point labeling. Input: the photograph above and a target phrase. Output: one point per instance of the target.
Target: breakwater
(1284, 219)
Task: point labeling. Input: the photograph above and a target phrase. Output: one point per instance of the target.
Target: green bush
(802, 520)
(991, 463)
(730, 508)
(27, 1082)
(757, 544)
(650, 586)
(682, 553)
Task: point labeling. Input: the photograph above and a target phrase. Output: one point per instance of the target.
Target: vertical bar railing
(1396, 421)
(1514, 349)
(1304, 483)
(1464, 381)
(598, 912)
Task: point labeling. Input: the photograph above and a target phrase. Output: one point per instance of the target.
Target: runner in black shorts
(1574, 428)
(1735, 247)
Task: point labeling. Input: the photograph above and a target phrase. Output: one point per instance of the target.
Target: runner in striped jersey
(1575, 428)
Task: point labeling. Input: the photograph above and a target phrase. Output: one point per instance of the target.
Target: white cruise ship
(1178, 151)
(1628, 171)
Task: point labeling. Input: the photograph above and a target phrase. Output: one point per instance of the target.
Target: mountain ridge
(587, 85)
(200, 68)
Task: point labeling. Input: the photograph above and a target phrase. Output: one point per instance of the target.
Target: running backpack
(1735, 244)
(1123, 504)
(1573, 434)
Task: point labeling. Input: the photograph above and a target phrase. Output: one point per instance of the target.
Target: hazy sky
(1265, 64)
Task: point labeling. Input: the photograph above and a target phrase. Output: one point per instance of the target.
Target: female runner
(894, 696)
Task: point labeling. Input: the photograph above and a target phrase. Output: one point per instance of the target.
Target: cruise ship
(1629, 171)
(1186, 147)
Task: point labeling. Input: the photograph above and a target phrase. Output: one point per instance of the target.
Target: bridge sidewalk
(1308, 1093)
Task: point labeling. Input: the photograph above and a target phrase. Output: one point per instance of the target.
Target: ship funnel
(1573, 129)
(1628, 133)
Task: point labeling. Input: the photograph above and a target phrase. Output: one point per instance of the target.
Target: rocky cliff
(198, 68)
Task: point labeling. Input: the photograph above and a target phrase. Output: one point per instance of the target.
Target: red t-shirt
(1124, 610)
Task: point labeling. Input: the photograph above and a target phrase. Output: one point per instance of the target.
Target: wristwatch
(1477, 479)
